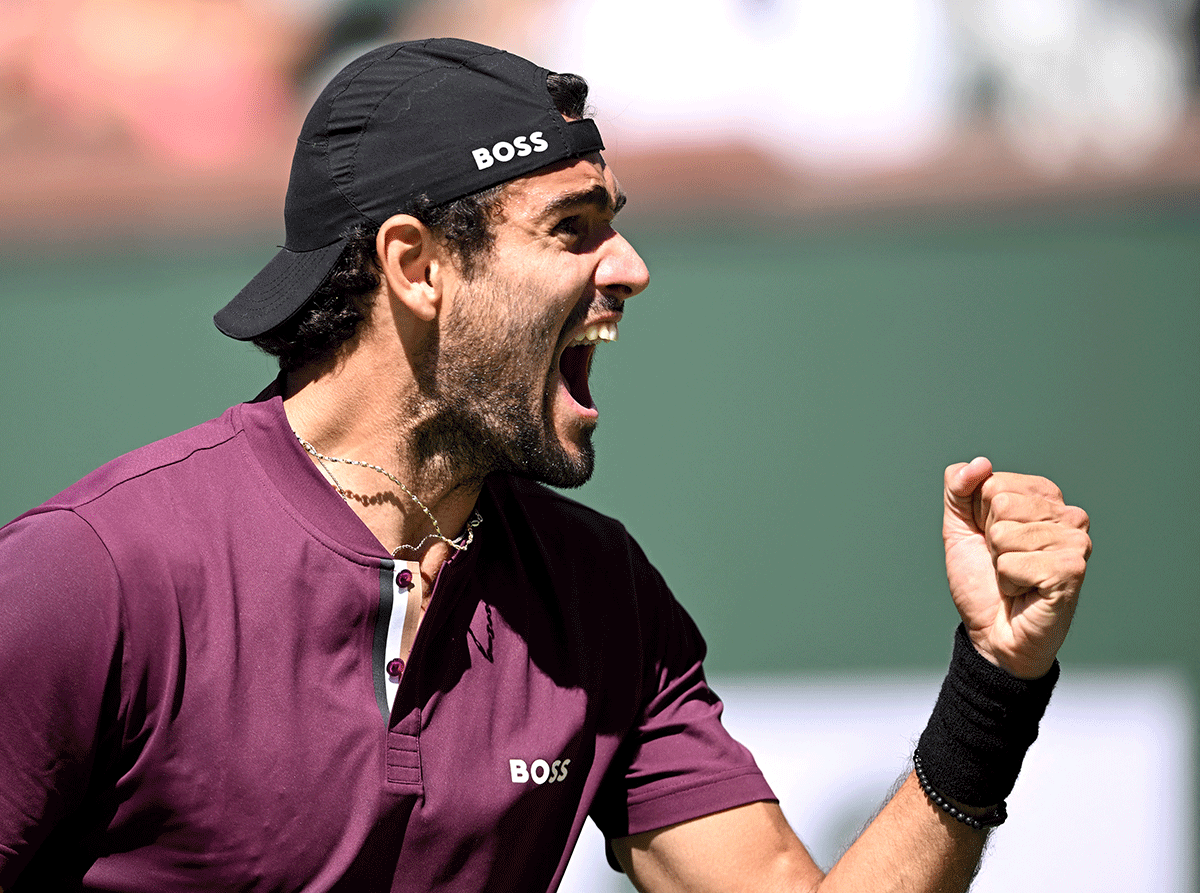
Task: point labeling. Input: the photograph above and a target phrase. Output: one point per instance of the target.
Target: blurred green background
(776, 416)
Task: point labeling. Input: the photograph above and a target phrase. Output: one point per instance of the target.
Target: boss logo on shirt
(505, 151)
(539, 771)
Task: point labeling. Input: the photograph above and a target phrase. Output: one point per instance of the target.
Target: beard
(485, 399)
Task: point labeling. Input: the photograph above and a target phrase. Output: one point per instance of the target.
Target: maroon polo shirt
(193, 648)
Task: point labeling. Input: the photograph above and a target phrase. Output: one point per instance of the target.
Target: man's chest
(277, 758)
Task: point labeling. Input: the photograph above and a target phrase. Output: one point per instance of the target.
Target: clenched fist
(1015, 558)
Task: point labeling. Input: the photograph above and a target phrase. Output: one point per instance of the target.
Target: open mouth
(575, 362)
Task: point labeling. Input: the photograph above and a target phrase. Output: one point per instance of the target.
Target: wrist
(1028, 670)
(984, 721)
(977, 817)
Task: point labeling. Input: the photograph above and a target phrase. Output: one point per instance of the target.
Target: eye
(572, 227)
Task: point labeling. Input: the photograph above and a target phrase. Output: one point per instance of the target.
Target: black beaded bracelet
(990, 819)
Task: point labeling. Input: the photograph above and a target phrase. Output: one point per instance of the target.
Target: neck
(345, 414)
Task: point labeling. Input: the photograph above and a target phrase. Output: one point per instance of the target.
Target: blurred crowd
(857, 83)
(195, 82)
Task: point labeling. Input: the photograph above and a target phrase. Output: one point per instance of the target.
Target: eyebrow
(597, 196)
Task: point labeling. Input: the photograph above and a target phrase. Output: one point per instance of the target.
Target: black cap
(441, 118)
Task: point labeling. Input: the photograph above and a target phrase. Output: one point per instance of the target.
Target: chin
(559, 465)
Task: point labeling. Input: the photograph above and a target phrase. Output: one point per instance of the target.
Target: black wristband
(982, 724)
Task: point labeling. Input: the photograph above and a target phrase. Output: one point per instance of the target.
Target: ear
(413, 264)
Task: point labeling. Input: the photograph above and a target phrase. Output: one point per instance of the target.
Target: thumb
(963, 503)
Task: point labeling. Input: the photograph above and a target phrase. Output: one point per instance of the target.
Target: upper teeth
(601, 331)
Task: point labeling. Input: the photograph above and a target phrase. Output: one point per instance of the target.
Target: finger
(1010, 506)
(1037, 536)
(962, 493)
(1052, 572)
(964, 478)
(1024, 484)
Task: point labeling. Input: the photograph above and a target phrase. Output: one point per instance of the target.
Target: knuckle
(1003, 503)
(1069, 564)
(1003, 531)
(1080, 518)
(1075, 567)
(1077, 540)
(1011, 564)
(992, 486)
(1050, 489)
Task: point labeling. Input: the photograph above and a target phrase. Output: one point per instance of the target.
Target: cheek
(520, 319)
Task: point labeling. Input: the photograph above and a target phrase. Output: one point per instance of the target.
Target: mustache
(602, 303)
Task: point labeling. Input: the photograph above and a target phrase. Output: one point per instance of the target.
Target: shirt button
(395, 667)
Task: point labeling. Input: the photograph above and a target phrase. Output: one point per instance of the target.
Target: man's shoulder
(137, 501)
(142, 464)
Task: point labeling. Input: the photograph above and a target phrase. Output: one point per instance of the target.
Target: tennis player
(344, 637)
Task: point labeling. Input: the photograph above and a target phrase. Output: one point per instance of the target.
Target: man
(338, 639)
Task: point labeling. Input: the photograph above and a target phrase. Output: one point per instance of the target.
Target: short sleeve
(679, 762)
(59, 636)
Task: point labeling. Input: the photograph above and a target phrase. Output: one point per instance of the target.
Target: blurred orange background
(178, 116)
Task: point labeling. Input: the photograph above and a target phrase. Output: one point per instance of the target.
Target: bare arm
(1015, 559)
(910, 846)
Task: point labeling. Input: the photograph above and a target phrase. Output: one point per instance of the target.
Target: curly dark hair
(332, 316)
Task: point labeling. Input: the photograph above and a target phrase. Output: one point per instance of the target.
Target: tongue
(574, 369)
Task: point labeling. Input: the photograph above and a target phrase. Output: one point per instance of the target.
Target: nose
(621, 272)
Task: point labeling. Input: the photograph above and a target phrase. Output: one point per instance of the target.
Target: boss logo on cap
(505, 151)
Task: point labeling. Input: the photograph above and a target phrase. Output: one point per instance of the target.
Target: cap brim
(281, 288)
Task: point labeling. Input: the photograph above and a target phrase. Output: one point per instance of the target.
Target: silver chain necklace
(459, 543)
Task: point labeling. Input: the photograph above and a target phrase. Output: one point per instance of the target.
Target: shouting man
(344, 638)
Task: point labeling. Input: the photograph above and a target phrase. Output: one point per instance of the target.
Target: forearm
(970, 753)
(911, 846)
